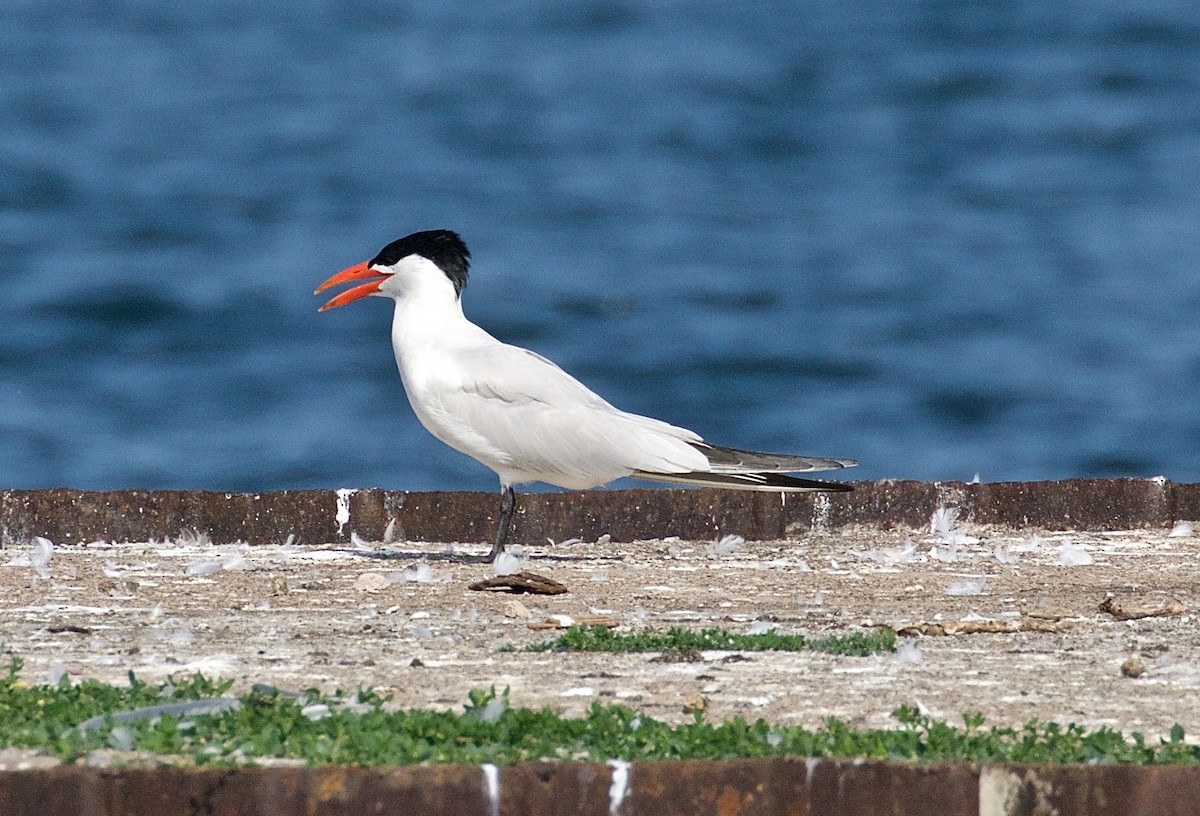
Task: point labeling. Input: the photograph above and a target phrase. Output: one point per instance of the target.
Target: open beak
(359, 271)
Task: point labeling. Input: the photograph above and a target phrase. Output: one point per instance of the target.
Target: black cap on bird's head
(441, 247)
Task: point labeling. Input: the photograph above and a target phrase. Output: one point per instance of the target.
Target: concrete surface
(1027, 635)
(1068, 601)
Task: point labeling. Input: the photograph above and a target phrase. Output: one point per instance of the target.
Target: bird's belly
(518, 456)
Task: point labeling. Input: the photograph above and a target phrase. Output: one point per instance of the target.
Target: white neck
(432, 318)
(428, 311)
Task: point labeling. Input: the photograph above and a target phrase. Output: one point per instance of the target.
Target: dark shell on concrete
(68, 516)
(749, 787)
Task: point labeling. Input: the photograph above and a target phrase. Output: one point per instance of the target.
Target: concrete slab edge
(311, 517)
(763, 787)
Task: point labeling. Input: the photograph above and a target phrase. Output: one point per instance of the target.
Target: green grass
(602, 639)
(360, 729)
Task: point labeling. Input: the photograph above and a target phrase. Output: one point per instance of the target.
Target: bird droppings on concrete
(1034, 643)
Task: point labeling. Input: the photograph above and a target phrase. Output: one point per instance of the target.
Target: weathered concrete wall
(762, 787)
(69, 516)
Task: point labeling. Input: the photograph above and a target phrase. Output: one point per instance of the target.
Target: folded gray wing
(732, 460)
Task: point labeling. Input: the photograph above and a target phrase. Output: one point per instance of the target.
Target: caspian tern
(520, 414)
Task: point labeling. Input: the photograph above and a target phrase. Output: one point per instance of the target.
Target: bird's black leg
(508, 503)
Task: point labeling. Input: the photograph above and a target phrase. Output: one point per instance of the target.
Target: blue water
(944, 238)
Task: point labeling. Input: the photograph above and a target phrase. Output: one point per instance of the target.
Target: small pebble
(371, 582)
(516, 609)
(1133, 667)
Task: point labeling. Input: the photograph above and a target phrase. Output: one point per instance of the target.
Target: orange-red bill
(357, 272)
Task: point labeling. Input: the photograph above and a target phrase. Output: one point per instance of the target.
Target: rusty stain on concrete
(764, 787)
(72, 516)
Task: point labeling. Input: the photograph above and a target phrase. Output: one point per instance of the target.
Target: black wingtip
(748, 481)
(795, 483)
(836, 487)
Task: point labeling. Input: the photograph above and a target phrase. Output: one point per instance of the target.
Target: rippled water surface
(943, 238)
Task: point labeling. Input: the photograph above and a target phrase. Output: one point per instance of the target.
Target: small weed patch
(601, 639)
(359, 729)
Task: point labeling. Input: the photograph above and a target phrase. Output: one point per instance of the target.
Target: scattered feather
(191, 538)
(215, 665)
(580, 691)
(909, 653)
(906, 554)
(1074, 556)
(947, 555)
(42, 550)
(943, 520)
(1004, 556)
(389, 532)
(235, 562)
(726, 545)
(175, 633)
(967, 587)
(944, 524)
(1182, 529)
(413, 573)
(203, 566)
(888, 557)
(760, 628)
(358, 543)
(509, 563)
(1035, 543)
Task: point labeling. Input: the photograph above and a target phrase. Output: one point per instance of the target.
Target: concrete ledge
(762, 787)
(325, 516)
